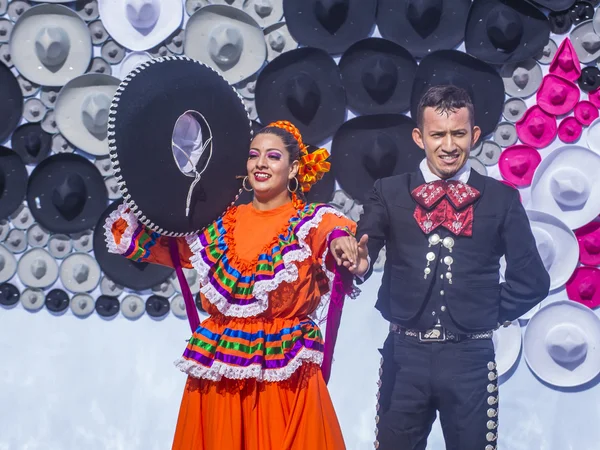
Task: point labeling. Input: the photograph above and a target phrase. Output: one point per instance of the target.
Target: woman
(254, 380)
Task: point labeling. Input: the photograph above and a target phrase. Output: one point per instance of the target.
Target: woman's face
(269, 168)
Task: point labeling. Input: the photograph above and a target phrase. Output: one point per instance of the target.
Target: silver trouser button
(491, 365)
(490, 424)
(491, 412)
(490, 447)
(492, 400)
(492, 376)
(490, 436)
(491, 388)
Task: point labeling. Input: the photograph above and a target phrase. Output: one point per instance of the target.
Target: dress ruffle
(264, 350)
(120, 222)
(242, 290)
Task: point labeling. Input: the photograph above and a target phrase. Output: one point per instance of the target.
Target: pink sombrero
(588, 237)
(557, 95)
(566, 62)
(594, 97)
(569, 130)
(584, 286)
(518, 163)
(537, 128)
(586, 112)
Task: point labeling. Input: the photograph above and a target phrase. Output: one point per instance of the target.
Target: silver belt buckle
(435, 334)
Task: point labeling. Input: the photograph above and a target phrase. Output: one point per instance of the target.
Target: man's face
(447, 138)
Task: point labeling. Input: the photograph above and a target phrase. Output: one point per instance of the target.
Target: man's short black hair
(446, 99)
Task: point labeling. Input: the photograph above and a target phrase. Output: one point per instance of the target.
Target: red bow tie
(445, 203)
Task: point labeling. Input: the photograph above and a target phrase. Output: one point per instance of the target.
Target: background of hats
(52, 270)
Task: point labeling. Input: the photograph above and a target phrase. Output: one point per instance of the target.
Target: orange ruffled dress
(254, 378)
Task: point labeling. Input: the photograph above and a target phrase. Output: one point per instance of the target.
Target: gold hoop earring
(244, 184)
(297, 185)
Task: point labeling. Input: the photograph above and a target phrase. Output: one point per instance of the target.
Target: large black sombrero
(378, 75)
(66, 193)
(13, 182)
(503, 31)
(138, 276)
(332, 25)
(482, 82)
(305, 87)
(423, 26)
(177, 150)
(367, 148)
(11, 103)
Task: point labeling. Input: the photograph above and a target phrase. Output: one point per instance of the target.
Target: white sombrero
(593, 136)
(8, 264)
(557, 246)
(192, 278)
(507, 345)
(140, 24)
(133, 307)
(585, 42)
(131, 61)
(50, 45)
(562, 344)
(82, 305)
(265, 12)
(37, 269)
(566, 185)
(226, 39)
(81, 111)
(80, 272)
(279, 40)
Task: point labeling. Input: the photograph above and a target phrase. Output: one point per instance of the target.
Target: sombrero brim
(15, 180)
(536, 32)
(10, 265)
(49, 174)
(151, 182)
(306, 28)
(565, 244)
(69, 107)
(538, 359)
(394, 25)
(12, 103)
(481, 81)
(354, 139)
(358, 57)
(198, 33)
(504, 165)
(576, 37)
(121, 30)
(567, 156)
(272, 96)
(123, 271)
(22, 44)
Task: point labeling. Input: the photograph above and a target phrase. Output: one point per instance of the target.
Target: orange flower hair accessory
(312, 166)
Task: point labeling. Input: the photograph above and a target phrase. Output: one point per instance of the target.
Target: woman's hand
(351, 254)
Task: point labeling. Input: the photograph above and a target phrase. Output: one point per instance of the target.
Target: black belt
(438, 334)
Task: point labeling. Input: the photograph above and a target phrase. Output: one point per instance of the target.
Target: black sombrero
(423, 26)
(332, 25)
(482, 82)
(177, 150)
(138, 276)
(66, 193)
(378, 76)
(31, 142)
(305, 87)
(13, 182)
(11, 103)
(367, 148)
(503, 31)
(555, 5)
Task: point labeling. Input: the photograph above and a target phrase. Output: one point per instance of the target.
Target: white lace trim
(132, 225)
(219, 369)
(261, 289)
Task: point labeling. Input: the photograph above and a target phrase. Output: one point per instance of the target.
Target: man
(445, 228)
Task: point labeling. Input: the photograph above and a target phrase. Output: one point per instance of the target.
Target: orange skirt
(295, 414)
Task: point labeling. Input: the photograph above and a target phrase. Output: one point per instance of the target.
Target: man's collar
(462, 175)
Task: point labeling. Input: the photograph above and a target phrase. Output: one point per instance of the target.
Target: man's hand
(351, 254)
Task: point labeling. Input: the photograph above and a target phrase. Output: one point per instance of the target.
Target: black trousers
(458, 379)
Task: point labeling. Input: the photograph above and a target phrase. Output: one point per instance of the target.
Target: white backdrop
(69, 384)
